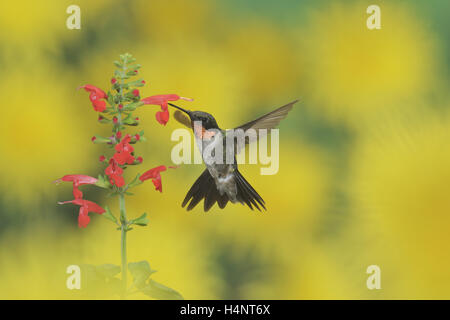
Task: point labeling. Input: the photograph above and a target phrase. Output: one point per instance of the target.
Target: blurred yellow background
(364, 158)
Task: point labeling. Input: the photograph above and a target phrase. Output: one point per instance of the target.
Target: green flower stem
(123, 246)
(121, 91)
(123, 213)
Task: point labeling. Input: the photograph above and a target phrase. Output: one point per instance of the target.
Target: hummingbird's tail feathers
(214, 196)
(198, 190)
(246, 194)
(204, 188)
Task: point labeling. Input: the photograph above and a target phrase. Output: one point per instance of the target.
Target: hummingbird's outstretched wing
(267, 121)
(182, 118)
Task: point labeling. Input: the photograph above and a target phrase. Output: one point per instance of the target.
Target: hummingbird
(221, 181)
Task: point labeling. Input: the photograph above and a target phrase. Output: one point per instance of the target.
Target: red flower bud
(137, 137)
(120, 106)
(115, 120)
(118, 135)
(143, 81)
(93, 138)
(102, 158)
(139, 159)
(135, 92)
(113, 80)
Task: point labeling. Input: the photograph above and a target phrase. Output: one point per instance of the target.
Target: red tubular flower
(77, 180)
(124, 145)
(83, 217)
(161, 100)
(93, 89)
(99, 105)
(123, 151)
(114, 172)
(86, 206)
(96, 94)
(155, 175)
(162, 116)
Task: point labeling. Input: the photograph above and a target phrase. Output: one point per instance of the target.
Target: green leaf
(131, 97)
(135, 182)
(118, 64)
(109, 110)
(117, 74)
(140, 271)
(134, 66)
(141, 221)
(103, 120)
(108, 270)
(159, 291)
(100, 139)
(102, 182)
(110, 98)
(136, 83)
(97, 281)
(112, 194)
(132, 106)
(108, 215)
(129, 120)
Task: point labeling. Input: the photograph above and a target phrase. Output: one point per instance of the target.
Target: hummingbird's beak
(179, 108)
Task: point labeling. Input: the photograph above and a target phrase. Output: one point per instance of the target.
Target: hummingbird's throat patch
(201, 133)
